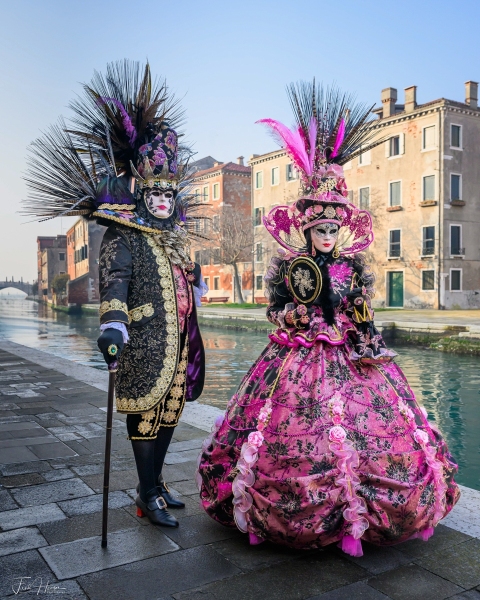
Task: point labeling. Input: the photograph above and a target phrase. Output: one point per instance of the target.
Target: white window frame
(365, 159)
(461, 137)
(389, 192)
(428, 256)
(434, 280)
(256, 252)
(401, 240)
(387, 290)
(450, 238)
(429, 148)
(401, 143)
(256, 282)
(215, 280)
(460, 186)
(434, 187)
(207, 281)
(262, 210)
(205, 197)
(216, 188)
(271, 176)
(364, 187)
(461, 279)
(294, 173)
(258, 187)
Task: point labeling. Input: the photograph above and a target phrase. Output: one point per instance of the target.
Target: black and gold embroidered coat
(137, 288)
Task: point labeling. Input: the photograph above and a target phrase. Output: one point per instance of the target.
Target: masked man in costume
(148, 285)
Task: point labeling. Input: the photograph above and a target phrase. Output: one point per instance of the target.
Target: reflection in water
(447, 385)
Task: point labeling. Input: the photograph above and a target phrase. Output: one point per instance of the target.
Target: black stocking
(162, 443)
(144, 452)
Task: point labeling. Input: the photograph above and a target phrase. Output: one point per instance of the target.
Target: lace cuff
(119, 326)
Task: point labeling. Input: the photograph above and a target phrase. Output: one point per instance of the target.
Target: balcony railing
(428, 250)
(457, 252)
(394, 252)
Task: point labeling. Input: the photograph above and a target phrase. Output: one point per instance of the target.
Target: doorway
(395, 288)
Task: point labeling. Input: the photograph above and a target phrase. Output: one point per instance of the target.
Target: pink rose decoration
(421, 436)
(255, 438)
(337, 434)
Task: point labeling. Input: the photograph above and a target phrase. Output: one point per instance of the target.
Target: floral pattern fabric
(318, 446)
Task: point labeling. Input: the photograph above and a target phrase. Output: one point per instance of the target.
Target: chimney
(410, 98)
(215, 164)
(389, 97)
(471, 94)
(240, 160)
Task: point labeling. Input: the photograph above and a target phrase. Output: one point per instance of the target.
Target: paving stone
(459, 564)
(87, 470)
(444, 537)
(187, 488)
(200, 529)
(470, 595)
(29, 433)
(51, 492)
(4, 435)
(193, 444)
(185, 432)
(86, 555)
(174, 458)
(22, 564)
(13, 455)
(355, 591)
(29, 442)
(180, 472)
(192, 505)
(84, 526)
(302, 578)
(119, 480)
(23, 517)
(163, 575)
(58, 475)
(413, 583)
(19, 540)
(377, 559)
(6, 501)
(248, 558)
(54, 450)
(91, 504)
(20, 480)
(37, 466)
(78, 448)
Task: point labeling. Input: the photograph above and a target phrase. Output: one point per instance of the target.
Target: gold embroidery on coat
(114, 304)
(168, 371)
(137, 314)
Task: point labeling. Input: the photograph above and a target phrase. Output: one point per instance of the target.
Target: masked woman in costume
(324, 441)
(148, 285)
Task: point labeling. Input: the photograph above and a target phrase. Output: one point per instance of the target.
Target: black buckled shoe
(171, 501)
(156, 511)
(165, 493)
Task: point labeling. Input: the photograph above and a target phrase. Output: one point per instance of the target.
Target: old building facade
(225, 190)
(51, 261)
(83, 248)
(422, 188)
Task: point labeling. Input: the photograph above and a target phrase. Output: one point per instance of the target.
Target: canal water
(446, 384)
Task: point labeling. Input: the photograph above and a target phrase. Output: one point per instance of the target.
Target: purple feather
(339, 139)
(127, 122)
(293, 143)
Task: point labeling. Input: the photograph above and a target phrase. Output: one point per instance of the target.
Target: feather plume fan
(62, 181)
(331, 127)
(124, 105)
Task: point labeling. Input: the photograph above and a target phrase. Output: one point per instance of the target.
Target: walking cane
(112, 369)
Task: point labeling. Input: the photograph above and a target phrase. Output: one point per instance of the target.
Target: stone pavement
(51, 465)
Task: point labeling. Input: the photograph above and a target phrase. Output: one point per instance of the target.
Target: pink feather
(339, 139)
(293, 143)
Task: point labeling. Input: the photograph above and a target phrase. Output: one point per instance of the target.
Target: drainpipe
(441, 200)
(252, 206)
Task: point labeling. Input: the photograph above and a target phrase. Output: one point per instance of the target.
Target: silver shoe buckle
(160, 502)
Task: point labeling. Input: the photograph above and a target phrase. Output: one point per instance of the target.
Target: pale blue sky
(230, 62)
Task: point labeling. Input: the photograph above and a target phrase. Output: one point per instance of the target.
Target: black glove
(111, 344)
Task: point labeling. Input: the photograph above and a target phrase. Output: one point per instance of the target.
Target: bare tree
(232, 235)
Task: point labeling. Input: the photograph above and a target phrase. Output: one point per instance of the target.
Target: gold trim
(114, 304)
(126, 223)
(137, 314)
(318, 283)
(172, 349)
(116, 207)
